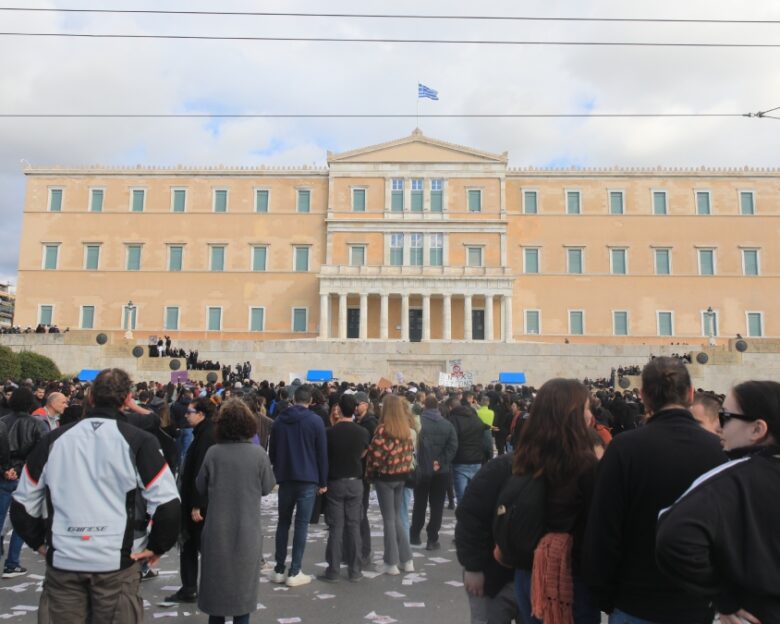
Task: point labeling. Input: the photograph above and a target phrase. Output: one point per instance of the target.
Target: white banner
(464, 380)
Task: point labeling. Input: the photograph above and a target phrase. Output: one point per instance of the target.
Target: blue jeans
(462, 474)
(620, 617)
(405, 509)
(7, 488)
(299, 496)
(584, 610)
(183, 441)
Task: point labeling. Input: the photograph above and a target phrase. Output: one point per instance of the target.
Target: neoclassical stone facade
(414, 240)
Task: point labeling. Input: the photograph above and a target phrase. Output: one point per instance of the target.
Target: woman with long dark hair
(554, 445)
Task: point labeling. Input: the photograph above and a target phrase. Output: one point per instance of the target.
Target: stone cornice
(582, 172)
(178, 170)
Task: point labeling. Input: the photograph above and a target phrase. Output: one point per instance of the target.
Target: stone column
(405, 317)
(467, 317)
(324, 316)
(447, 321)
(507, 314)
(488, 317)
(363, 316)
(426, 310)
(383, 314)
(342, 317)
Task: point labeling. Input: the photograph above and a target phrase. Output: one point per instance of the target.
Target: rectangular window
(706, 262)
(214, 315)
(55, 200)
(755, 325)
(50, 257)
(134, 257)
(665, 324)
(129, 316)
(574, 261)
(530, 202)
(709, 324)
(359, 200)
(91, 257)
(475, 200)
(532, 322)
(261, 200)
(357, 255)
(96, 200)
(750, 262)
(138, 198)
(617, 260)
(220, 200)
(576, 322)
(304, 201)
(175, 257)
(417, 195)
(87, 317)
(397, 195)
(396, 249)
(747, 204)
(301, 259)
(217, 258)
(257, 319)
(703, 202)
(663, 261)
(616, 202)
(172, 318)
(46, 314)
(437, 195)
(573, 206)
(620, 323)
(659, 202)
(259, 257)
(416, 249)
(530, 260)
(474, 256)
(179, 200)
(300, 319)
(436, 250)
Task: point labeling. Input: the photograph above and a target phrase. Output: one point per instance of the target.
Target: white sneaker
(267, 567)
(407, 566)
(392, 570)
(298, 579)
(277, 577)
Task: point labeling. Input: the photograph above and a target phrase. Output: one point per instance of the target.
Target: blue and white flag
(426, 92)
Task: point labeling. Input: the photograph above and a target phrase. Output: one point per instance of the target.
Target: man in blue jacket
(299, 454)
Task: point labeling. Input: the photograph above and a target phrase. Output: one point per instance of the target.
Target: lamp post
(710, 316)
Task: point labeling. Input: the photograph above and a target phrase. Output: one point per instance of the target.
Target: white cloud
(76, 75)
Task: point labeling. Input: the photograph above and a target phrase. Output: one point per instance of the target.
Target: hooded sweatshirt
(298, 447)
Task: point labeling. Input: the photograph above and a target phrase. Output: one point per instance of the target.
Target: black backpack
(518, 522)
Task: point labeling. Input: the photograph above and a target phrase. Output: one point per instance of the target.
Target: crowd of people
(571, 499)
(39, 329)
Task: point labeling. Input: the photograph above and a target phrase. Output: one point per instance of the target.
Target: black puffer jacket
(440, 435)
(23, 437)
(469, 429)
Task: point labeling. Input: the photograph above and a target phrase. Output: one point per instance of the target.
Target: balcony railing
(413, 271)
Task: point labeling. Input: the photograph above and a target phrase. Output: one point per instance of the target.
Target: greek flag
(426, 92)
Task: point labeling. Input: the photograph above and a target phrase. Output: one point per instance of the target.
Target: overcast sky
(49, 75)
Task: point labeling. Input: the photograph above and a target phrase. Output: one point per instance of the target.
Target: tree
(37, 367)
(10, 367)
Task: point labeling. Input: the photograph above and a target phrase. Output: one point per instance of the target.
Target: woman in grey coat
(235, 475)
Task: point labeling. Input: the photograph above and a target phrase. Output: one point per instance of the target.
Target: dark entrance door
(353, 322)
(415, 325)
(477, 324)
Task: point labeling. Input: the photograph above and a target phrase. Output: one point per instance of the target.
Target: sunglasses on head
(725, 416)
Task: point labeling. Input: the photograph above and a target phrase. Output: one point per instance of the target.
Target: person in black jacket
(720, 539)
(643, 472)
(24, 431)
(193, 504)
(489, 585)
(469, 430)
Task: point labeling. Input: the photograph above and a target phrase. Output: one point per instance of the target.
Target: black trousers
(188, 557)
(433, 491)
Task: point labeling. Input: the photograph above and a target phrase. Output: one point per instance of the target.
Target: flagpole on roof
(418, 104)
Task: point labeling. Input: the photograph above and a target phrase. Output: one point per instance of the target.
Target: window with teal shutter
(172, 318)
(616, 202)
(532, 322)
(618, 261)
(397, 195)
(621, 323)
(416, 249)
(47, 312)
(220, 200)
(575, 260)
(664, 323)
(475, 200)
(706, 262)
(304, 201)
(301, 259)
(217, 258)
(659, 202)
(259, 257)
(299, 320)
(437, 192)
(746, 203)
(750, 261)
(396, 249)
(755, 325)
(573, 203)
(179, 200)
(261, 200)
(87, 317)
(134, 257)
(138, 200)
(257, 319)
(531, 260)
(417, 195)
(96, 200)
(702, 203)
(55, 200)
(663, 264)
(436, 250)
(576, 324)
(215, 319)
(92, 257)
(359, 200)
(530, 205)
(175, 257)
(50, 257)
